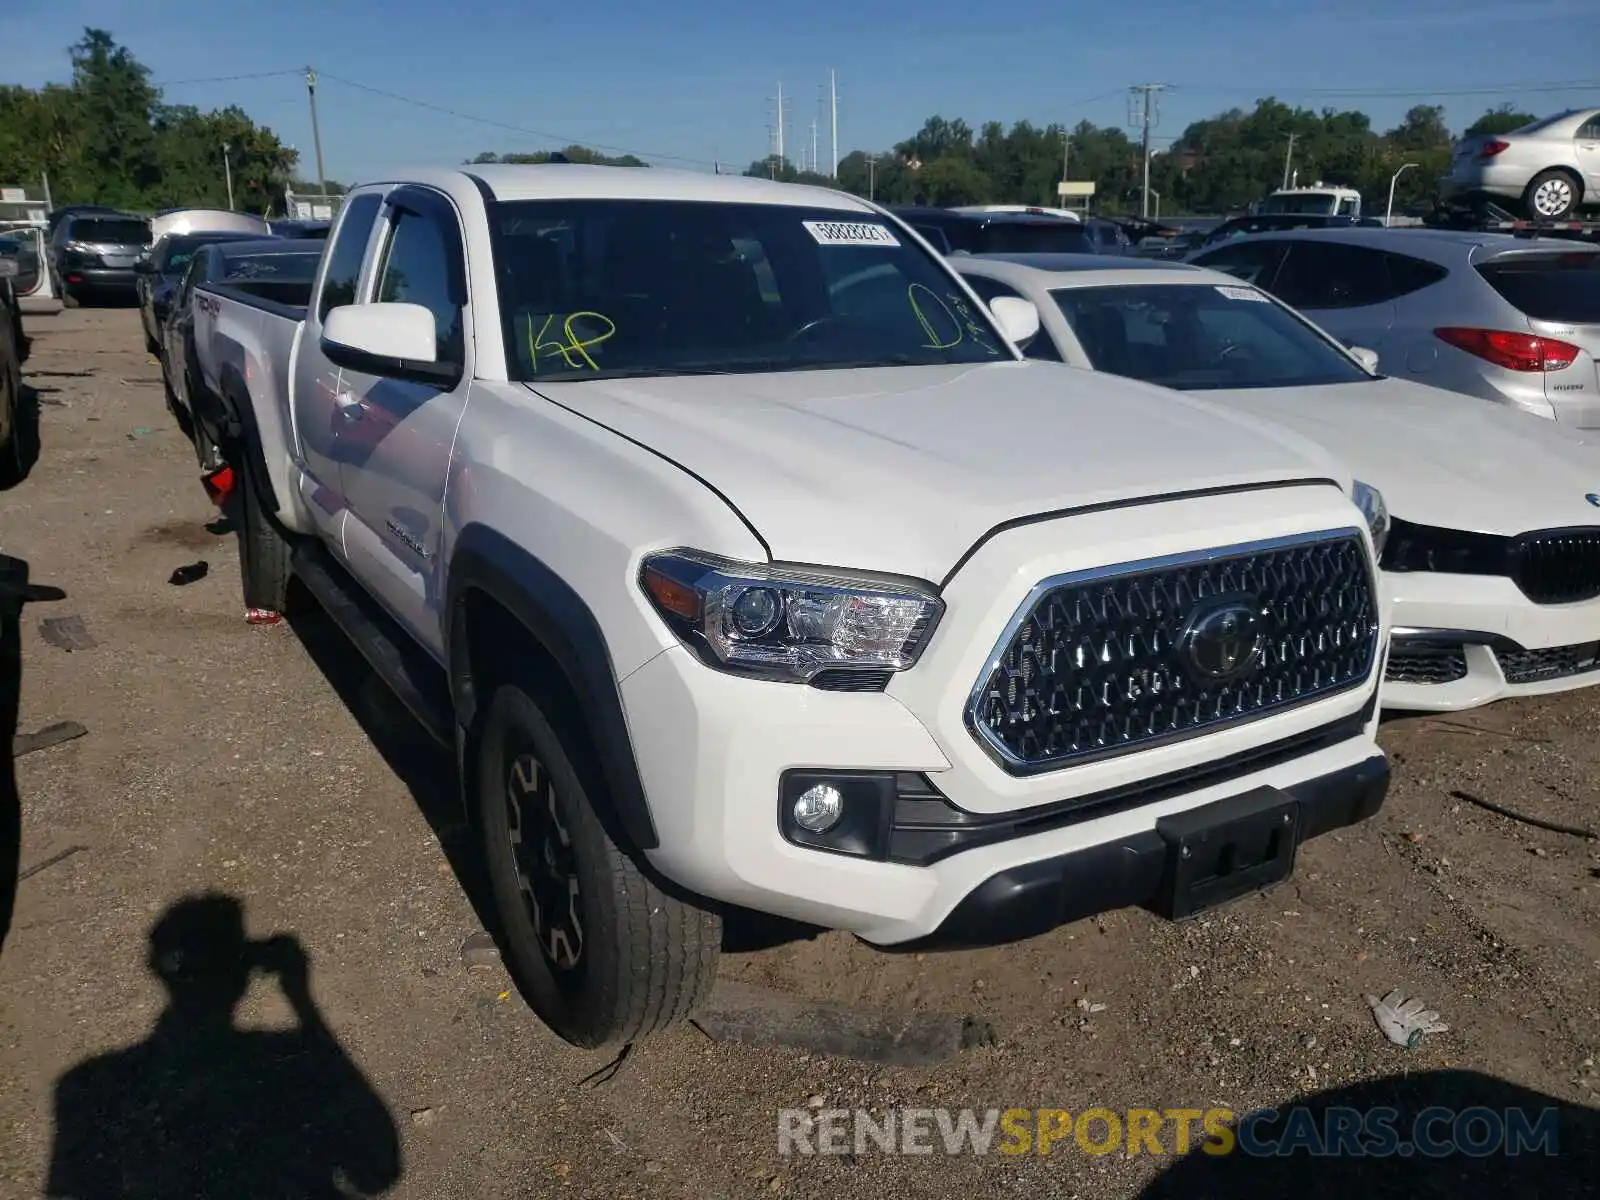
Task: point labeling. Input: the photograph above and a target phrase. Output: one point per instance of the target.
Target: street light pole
(227, 171)
(1388, 212)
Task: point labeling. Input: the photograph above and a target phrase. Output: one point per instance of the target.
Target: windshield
(111, 232)
(591, 289)
(298, 265)
(1314, 202)
(1549, 287)
(1201, 337)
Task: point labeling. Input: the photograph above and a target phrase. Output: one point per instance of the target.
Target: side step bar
(415, 679)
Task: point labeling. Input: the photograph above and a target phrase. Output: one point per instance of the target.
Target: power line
(166, 83)
(538, 133)
(1379, 93)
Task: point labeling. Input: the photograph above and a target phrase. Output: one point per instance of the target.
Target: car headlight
(789, 624)
(1370, 501)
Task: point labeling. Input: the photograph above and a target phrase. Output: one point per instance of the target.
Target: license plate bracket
(1227, 849)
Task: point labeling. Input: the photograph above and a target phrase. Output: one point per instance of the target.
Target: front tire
(602, 954)
(1551, 196)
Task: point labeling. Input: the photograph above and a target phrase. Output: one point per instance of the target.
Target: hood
(1444, 459)
(903, 469)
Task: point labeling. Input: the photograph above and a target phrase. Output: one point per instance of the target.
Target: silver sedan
(1549, 167)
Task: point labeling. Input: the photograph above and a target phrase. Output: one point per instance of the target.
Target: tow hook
(219, 485)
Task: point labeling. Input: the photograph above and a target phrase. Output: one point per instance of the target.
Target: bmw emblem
(1593, 498)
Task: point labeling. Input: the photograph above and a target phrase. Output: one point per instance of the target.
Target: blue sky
(696, 80)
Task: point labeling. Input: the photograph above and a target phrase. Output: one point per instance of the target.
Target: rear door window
(113, 231)
(1253, 262)
(1407, 274)
(1548, 287)
(1324, 275)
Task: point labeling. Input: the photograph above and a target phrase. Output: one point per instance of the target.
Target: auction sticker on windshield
(1239, 293)
(850, 233)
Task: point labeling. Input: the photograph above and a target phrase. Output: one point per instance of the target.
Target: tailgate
(1558, 291)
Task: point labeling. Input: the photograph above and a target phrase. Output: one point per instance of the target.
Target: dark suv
(93, 254)
(948, 231)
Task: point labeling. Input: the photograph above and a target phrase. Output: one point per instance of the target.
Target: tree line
(107, 137)
(1218, 165)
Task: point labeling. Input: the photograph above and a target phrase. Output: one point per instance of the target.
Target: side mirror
(1367, 358)
(395, 341)
(143, 266)
(1018, 318)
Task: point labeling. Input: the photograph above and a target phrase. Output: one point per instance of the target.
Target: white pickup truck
(747, 565)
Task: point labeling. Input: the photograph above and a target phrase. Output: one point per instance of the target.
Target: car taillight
(1513, 351)
(1490, 149)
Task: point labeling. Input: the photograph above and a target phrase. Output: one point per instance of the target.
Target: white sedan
(1493, 556)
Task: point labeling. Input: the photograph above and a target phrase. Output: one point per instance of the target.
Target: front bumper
(1140, 870)
(1460, 641)
(713, 775)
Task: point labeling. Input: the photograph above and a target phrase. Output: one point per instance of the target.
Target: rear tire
(13, 456)
(264, 563)
(602, 954)
(1552, 195)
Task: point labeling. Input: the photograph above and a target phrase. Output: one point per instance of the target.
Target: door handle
(347, 406)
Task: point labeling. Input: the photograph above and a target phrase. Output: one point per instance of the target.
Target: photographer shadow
(202, 1108)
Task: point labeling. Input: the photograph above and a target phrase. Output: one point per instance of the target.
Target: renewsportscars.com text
(1331, 1132)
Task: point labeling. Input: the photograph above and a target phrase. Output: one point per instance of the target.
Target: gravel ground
(261, 767)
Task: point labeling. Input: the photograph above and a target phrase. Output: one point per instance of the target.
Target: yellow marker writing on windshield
(574, 343)
(927, 326)
(978, 332)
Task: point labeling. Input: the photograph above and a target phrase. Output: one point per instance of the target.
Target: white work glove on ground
(1405, 1022)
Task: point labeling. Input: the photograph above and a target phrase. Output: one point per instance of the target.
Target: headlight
(787, 624)
(1370, 501)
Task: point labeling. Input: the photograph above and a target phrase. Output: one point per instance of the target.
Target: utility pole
(227, 171)
(316, 130)
(1147, 120)
(780, 125)
(833, 116)
(1288, 158)
(815, 169)
(872, 178)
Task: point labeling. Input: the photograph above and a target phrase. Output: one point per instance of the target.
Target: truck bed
(282, 298)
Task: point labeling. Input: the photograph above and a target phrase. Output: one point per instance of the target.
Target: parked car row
(203, 249)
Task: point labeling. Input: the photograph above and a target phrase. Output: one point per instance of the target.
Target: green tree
(116, 106)
(107, 138)
(1503, 119)
(577, 154)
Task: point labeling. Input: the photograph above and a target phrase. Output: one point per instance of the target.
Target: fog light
(817, 809)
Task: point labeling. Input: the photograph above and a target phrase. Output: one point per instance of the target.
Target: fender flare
(240, 416)
(557, 618)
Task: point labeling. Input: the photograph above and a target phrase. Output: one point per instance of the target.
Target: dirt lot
(260, 764)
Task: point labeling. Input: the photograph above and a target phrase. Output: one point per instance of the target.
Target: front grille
(1096, 663)
(1557, 566)
(1425, 664)
(1557, 662)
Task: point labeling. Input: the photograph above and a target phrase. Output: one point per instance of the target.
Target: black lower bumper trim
(1152, 869)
